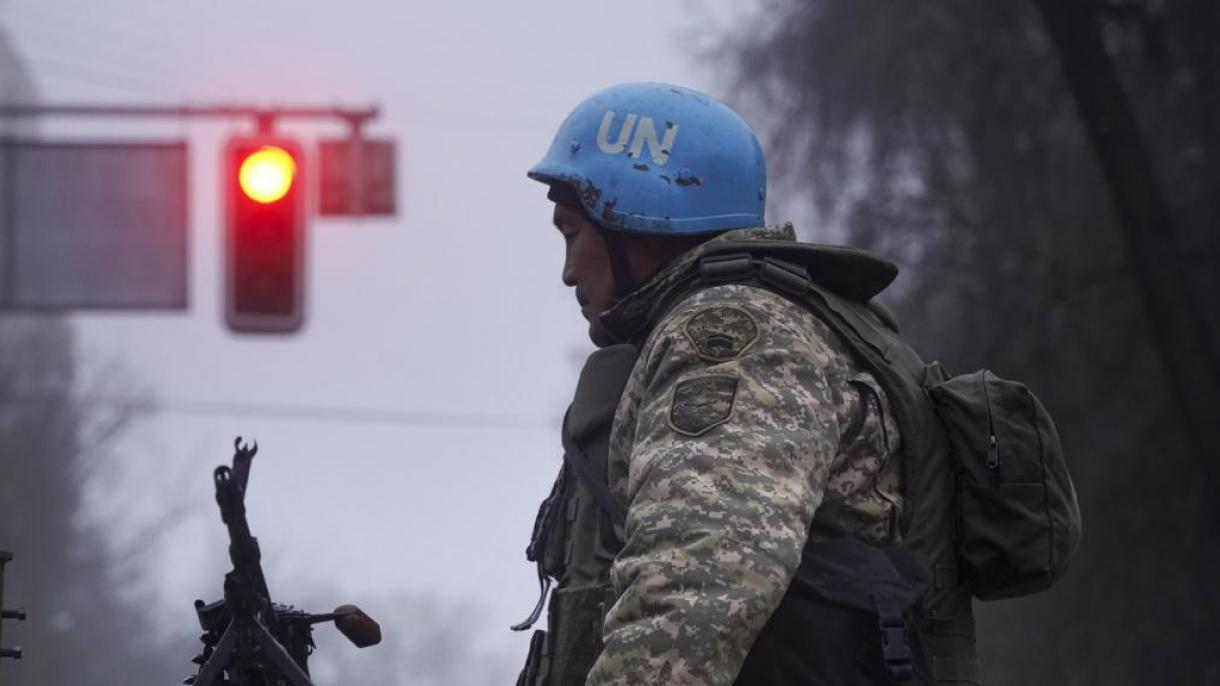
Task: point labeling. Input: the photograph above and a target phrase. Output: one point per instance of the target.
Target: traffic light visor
(266, 175)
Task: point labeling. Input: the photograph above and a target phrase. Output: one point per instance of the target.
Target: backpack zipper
(993, 450)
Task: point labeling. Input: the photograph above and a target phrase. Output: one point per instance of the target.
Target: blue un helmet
(659, 159)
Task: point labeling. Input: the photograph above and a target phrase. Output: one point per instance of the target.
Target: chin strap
(620, 267)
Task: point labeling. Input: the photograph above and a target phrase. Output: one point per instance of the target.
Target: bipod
(247, 630)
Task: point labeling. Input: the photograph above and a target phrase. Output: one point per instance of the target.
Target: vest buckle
(895, 649)
(726, 268)
(787, 277)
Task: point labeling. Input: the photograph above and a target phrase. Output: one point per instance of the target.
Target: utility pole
(5, 613)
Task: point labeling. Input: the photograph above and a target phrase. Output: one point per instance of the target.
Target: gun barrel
(244, 552)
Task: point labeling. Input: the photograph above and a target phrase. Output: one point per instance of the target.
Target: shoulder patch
(702, 403)
(721, 332)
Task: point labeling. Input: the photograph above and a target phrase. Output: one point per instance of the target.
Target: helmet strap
(620, 266)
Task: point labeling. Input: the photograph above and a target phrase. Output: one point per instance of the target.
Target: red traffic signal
(264, 235)
(267, 174)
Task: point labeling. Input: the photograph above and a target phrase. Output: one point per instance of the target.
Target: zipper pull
(993, 454)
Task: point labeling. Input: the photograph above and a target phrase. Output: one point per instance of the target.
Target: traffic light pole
(264, 119)
(355, 117)
(362, 192)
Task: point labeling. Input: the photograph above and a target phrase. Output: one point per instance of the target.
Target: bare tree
(945, 136)
(81, 620)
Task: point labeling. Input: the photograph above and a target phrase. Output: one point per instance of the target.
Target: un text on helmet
(640, 131)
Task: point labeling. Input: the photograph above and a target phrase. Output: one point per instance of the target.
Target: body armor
(922, 630)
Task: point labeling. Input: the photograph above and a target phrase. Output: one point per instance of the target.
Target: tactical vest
(824, 603)
(575, 536)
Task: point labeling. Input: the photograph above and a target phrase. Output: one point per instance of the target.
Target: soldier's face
(586, 266)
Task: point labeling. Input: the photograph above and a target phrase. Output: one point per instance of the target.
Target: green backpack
(985, 442)
(1018, 519)
(990, 506)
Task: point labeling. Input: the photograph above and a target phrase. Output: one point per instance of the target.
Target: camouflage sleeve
(736, 424)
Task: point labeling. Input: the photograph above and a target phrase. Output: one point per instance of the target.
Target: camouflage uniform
(746, 429)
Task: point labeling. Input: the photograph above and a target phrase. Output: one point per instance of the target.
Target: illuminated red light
(266, 175)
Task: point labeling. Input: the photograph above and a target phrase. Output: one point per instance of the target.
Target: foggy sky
(453, 309)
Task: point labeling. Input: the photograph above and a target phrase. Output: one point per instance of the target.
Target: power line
(90, 75)
(364, 415)
(88, 24)
(114, 55)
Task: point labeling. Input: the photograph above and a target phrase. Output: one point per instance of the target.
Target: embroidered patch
(721, 333)
(702, 403)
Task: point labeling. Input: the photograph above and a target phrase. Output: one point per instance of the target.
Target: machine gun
(247, 639)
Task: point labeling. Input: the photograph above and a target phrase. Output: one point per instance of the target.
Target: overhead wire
(114, 54)
(113, 57)
(47, 15)
(90, 75)
(323, 413)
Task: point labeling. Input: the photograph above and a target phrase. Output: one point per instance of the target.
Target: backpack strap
(576, 460)
(591, 414)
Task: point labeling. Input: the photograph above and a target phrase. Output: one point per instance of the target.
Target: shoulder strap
(575, 458)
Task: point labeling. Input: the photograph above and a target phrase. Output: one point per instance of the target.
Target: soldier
(733, 474)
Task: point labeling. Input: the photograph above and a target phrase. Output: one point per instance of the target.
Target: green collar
(626, 318)
(854, 274)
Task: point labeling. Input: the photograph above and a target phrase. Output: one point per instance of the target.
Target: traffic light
(264, 234)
